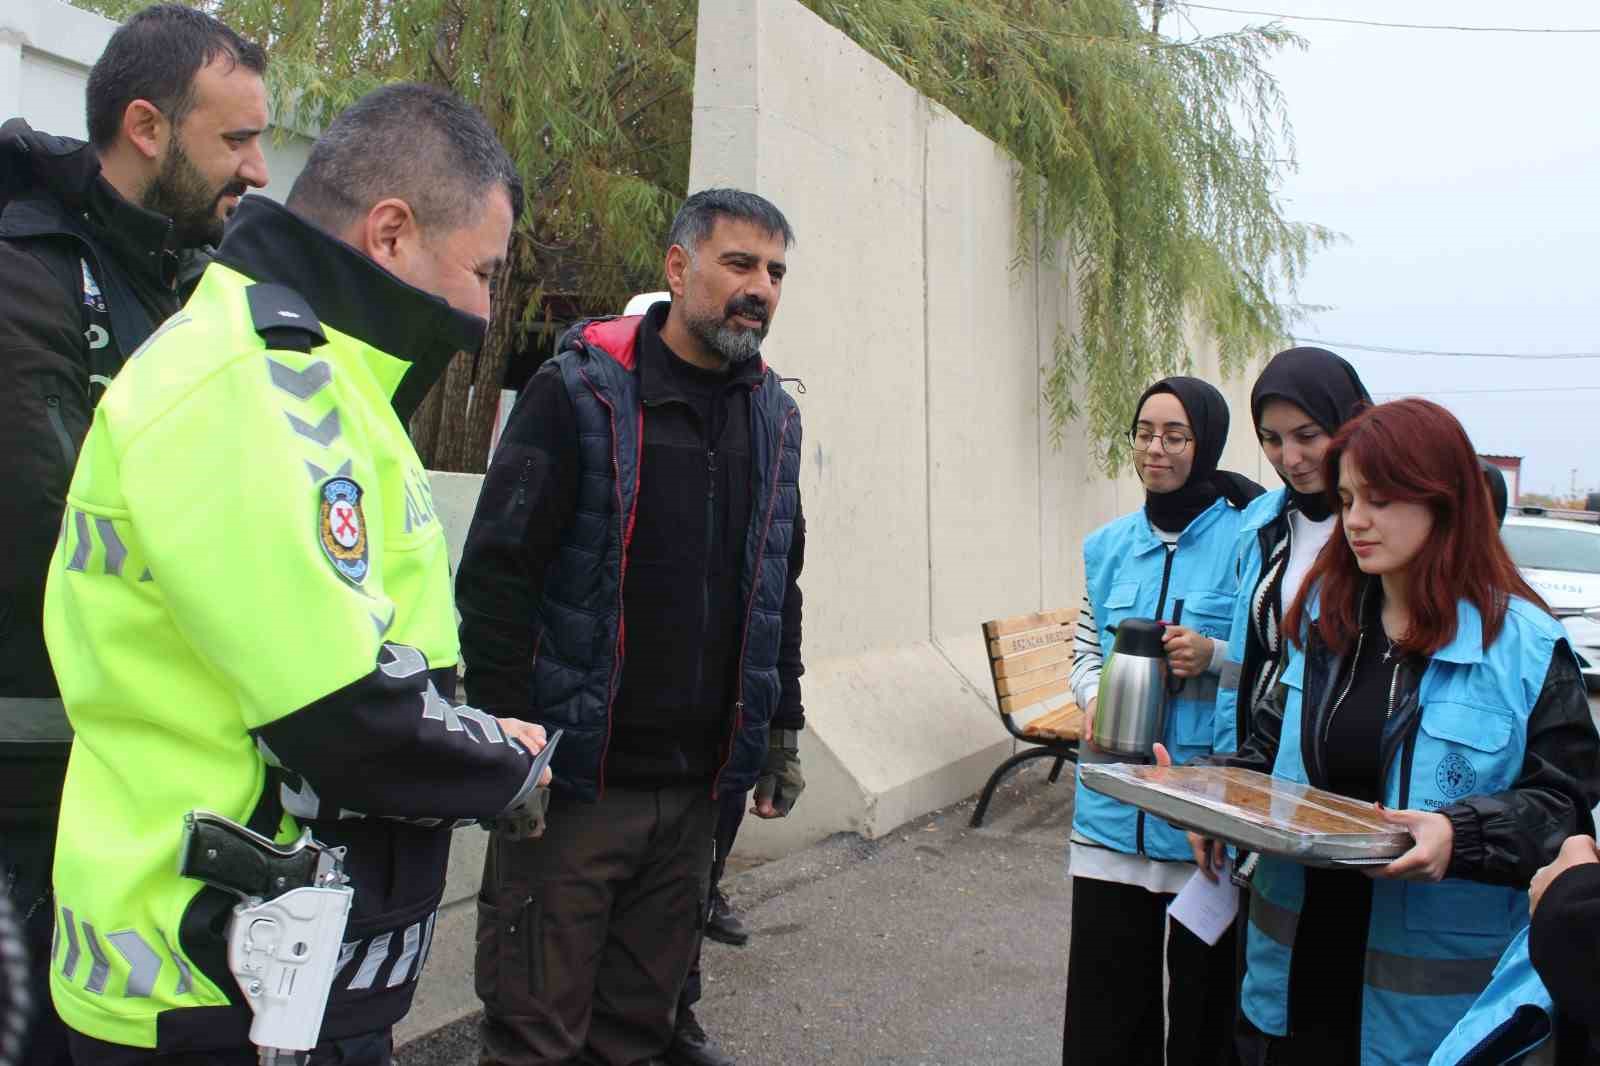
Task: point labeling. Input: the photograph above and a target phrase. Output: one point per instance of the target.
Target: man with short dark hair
(94, 241)
(249, 505)
(631, 577)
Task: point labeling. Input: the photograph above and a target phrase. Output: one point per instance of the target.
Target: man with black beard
(94, 241)
(630, 577)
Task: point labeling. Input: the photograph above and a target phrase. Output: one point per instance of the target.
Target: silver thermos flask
(1131, 707)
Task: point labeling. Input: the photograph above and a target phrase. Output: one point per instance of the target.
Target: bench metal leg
(1005, 768)
(1055, 771)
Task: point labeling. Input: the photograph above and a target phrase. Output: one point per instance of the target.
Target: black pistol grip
(230, 857)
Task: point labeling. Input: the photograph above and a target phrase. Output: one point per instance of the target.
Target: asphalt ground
(938, 944)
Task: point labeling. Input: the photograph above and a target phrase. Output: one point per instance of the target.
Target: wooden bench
(1030, 661)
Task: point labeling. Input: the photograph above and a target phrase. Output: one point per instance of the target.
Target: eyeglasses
(1172, 441)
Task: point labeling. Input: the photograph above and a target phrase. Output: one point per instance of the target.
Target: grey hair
(699, 213)
(413, 142)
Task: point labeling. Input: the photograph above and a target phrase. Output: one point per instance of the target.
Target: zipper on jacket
(705, 582)
(1166, 578)
(1349, 682)
(52, 410)
(1406, 748)
(622, 570)
(1394, 687)
(755, 587)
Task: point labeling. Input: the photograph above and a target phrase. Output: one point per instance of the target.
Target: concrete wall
(934, 499)
(933, 495)
(46, 50)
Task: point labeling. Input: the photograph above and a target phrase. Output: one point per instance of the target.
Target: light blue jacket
(1515, 1015)
(1431, 948)
(1130, 573)
(1248, 562)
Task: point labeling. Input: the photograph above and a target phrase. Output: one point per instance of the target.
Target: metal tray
(1306, 825)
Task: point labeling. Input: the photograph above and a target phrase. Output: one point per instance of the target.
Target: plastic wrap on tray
(1255, 811)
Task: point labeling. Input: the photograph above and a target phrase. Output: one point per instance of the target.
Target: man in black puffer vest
(97, 243)
(630, 578)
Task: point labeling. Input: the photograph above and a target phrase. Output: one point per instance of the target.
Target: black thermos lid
(1140, 636)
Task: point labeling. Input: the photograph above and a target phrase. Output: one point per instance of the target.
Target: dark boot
(692, 1047)
(724, 926)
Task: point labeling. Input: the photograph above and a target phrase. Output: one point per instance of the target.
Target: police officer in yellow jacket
(249, 610)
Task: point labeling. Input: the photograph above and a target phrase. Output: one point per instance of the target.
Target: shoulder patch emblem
(342, 528)
(92, 297)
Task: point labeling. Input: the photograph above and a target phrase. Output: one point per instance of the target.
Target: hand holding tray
(1306, 825)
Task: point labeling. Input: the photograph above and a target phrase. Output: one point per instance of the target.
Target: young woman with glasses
(1424, 675)
(1171, 560)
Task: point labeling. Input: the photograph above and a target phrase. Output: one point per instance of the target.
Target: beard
(181, 193)
(734, 344)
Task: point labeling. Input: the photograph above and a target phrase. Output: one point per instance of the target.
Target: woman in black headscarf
(1301, 399)
(1299, 402)
(1170, 560)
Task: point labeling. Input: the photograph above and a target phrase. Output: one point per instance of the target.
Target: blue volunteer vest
(1247, 571)
(1514, 1015)
(1129, 573)
(1431, 948)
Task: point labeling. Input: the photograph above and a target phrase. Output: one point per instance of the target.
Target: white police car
(1561, 560)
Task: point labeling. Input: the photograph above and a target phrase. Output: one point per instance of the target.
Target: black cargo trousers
(586, 935)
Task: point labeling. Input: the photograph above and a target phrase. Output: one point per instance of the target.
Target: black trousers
(586, 934)
(1120, 940)
(1326, 978)
(730, 816)
(368, 1049)
(27, 851)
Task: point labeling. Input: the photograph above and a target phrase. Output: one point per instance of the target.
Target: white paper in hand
(1207, 908)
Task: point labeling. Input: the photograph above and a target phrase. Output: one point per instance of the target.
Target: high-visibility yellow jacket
(250, 613)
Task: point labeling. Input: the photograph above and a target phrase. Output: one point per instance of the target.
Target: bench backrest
(1030, 657)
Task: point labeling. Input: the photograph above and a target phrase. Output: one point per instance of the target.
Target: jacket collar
(1465, 648)
(351, 293)
(58, 188)
(1145, 539)
(657, 381)
(1264, 510)
(634, 342)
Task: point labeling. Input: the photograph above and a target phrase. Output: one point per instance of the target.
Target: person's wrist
(1466, 839)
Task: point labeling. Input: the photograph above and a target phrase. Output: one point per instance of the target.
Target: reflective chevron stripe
(144, 965)
(301, 384)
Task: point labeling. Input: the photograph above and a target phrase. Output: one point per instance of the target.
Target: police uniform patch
(92, 297)
(342, 528)
(1455, 776)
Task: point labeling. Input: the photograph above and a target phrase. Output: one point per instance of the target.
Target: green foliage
(591, 98)
(1154, 163)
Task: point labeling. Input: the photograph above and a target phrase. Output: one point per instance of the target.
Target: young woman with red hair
(1426, 676)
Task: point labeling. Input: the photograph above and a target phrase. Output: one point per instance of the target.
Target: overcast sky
(1464, 171)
